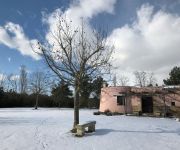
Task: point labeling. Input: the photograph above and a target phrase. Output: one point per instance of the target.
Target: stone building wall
(108, 100)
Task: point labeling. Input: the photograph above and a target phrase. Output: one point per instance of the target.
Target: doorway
(147, 104)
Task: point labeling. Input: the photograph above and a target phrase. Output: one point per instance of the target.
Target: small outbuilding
(141, 100)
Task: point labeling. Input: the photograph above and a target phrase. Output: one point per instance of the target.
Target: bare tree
(38, 85)
(23, 79)
(123, 80)
(12, 82)
(76, 54)
(143, 78)
(151, 79)
(8, 82)
(2, 80)
(140, 78)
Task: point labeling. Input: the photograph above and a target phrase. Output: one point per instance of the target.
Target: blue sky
(28, 14)
(124, 26)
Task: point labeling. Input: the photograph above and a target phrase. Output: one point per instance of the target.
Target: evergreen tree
(61, 94)
(1, 92)
(86, 87)
(97, 85)
(174, 77)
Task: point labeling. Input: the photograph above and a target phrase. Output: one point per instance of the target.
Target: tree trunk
(37, 99)
(76, 107)
(59, 105)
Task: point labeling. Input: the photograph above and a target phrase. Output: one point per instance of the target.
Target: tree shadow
(100, 132)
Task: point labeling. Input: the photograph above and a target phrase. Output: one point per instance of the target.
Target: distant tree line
(13, 99)
(38, 89)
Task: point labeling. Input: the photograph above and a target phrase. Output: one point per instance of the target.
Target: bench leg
(91, 128)
(80, 132)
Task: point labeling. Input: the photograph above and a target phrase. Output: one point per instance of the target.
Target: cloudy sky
(145, 33)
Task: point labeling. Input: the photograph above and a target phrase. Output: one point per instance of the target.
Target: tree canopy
(174, 77)
(1, 92)
(62, 94)
(74, 53)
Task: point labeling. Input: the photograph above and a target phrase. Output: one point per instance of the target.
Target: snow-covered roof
(171, 87)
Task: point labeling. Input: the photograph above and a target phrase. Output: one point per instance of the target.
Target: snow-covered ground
(48, 129)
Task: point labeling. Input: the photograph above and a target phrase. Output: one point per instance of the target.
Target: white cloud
(150, 43)
(89, 8)
(85, 9)
(12, 35)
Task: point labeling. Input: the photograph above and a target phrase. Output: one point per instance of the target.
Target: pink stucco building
(126, 99)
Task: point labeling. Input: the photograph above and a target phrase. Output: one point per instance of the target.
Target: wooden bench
(81, 128)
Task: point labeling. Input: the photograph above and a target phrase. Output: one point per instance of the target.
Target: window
(120, 100)
(172, 103)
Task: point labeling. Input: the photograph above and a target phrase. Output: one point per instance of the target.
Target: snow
(48, 129)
